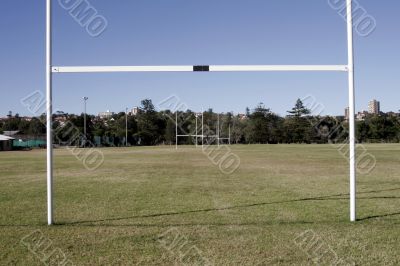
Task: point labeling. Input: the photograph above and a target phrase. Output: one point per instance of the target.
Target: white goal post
(196, 135)
(219, 133)
(50, 69)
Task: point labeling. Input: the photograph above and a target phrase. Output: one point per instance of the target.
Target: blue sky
(182, 32)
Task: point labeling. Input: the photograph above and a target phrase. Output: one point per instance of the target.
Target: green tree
(299, 109)
(263, 126)
(297, 128)
(36, 127)
(12, 124)
(170, 131)
(151, 126)
(238, 130)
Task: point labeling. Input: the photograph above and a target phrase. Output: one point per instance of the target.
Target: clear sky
(188, 32)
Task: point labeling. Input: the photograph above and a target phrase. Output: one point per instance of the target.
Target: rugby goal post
(196, 135)
(50, 69)
(219, 132)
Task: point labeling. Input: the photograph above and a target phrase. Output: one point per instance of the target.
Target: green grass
(116, 214)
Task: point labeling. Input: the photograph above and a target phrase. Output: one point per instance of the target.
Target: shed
(6, 143)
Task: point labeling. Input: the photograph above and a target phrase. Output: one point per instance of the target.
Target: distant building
(393, 114)
(11, 133)
(374, 107)
(135, 110)
(26, 118)
(347, 113)
(106, 115)
(242, 116)
(60, 119)
(362, 115)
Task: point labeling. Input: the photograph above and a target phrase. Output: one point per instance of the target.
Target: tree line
(258, 126)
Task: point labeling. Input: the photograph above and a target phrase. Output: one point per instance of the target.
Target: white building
(106, 115)
(135, 110)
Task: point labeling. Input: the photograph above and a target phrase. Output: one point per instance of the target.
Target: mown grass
(116, 214)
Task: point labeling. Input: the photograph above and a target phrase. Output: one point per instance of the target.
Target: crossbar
(189, 135)
(203, 68)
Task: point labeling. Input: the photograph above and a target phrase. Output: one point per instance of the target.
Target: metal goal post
(50, 70)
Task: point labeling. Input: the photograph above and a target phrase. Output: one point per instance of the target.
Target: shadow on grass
(320, 198)
(378, 216)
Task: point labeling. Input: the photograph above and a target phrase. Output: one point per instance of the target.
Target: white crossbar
(214, 68)
(94, 69)
(252, 68)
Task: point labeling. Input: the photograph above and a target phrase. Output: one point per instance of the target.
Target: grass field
(285, 205)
